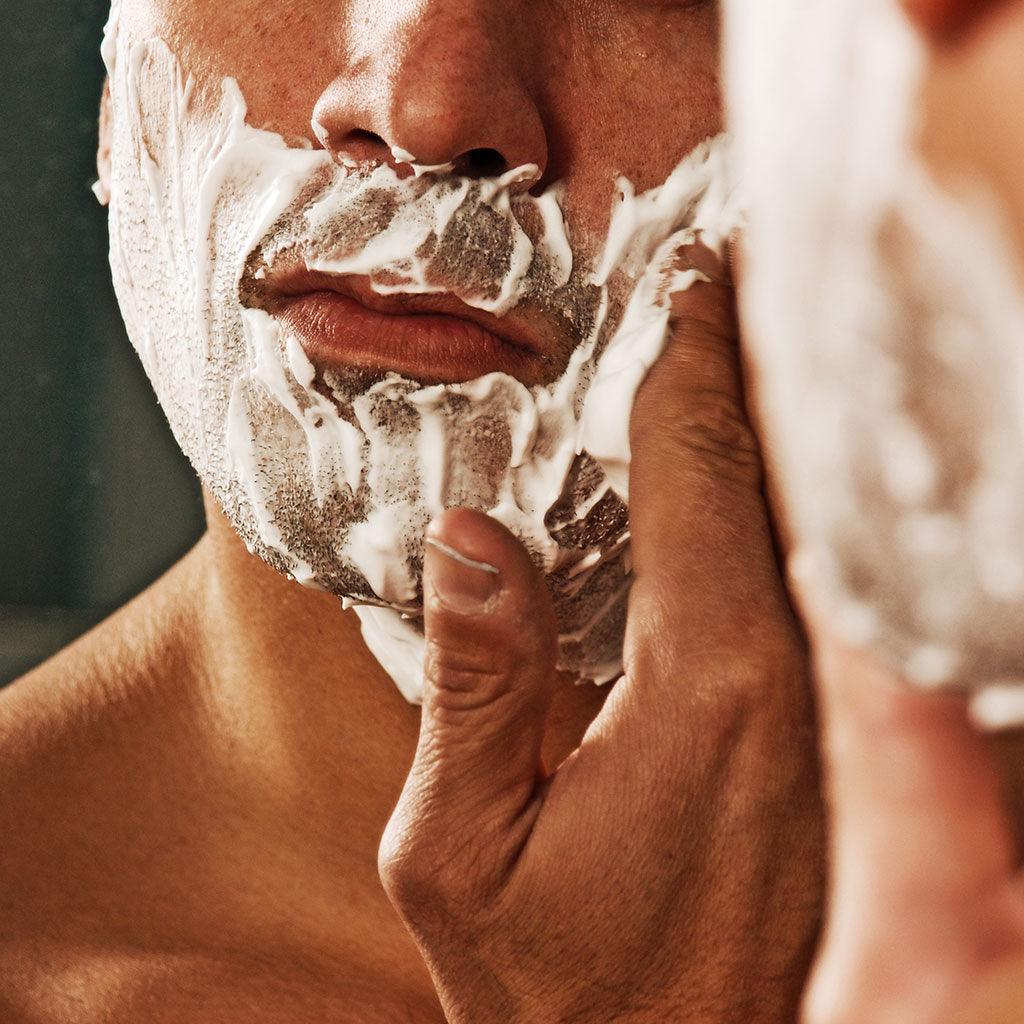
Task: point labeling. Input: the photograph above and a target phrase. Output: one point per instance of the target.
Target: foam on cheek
(886, 323)
(334, 483)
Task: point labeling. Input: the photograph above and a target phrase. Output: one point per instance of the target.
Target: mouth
(342, 324)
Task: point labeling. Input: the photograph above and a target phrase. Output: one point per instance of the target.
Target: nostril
(363, 145)
(355, 147)
(481, 163)
(361, 135)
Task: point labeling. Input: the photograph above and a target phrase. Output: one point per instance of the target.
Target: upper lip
(512, 329)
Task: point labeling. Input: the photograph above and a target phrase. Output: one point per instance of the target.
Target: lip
(343, 324)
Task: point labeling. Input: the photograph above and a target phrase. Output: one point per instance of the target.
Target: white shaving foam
(334, 483)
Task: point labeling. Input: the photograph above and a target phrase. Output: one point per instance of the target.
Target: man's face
(884, 301)
(382, 262)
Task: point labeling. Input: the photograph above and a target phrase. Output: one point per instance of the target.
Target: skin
(193, 795)
(927, 904)
(668, 869)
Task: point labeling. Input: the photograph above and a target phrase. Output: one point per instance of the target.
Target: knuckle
(693, 399)
(465, 679)
(728, 700)
(403, 851)
(417, 866)
(704, 314)
(394, 866)
(749, 647)
(435, 881)
(747, 692)
(715, 429)
(414, 893)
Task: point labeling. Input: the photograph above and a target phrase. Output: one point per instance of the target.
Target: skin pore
(195, 791)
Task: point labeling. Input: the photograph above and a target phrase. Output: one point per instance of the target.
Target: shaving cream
(886, 323)
(333, 480)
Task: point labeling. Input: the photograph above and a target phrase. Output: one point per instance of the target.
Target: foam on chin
(332, 483)
(886, 323)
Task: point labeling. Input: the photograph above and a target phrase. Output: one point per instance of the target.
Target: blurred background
(95, 498)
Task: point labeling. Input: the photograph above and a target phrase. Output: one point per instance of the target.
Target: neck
(299, 698)
(300, 702)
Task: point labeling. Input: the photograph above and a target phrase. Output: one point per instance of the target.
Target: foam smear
(886, 322)
(332, 478)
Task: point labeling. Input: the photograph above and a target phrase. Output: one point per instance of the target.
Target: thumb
(490, 655)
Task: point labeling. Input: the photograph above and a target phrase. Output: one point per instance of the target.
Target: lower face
(343, 352)
(886, 315)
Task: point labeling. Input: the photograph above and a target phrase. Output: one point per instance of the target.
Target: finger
(716, 693)
(703, 556)
(490, 654)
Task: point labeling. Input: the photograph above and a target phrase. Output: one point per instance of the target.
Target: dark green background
(95, 499)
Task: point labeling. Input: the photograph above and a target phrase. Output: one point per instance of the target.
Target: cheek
(637, 111)
(281, 62)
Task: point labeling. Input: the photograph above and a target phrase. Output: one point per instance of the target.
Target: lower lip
(339, 333)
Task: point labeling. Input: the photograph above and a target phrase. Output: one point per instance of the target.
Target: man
(902, 209)
(194, 794)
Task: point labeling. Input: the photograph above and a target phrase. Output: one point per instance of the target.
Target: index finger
(704, 557)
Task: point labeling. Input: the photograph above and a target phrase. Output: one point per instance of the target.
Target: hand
(926, 920)
(671, 868)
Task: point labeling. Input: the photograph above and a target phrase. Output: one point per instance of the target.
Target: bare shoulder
(141, 877)
(73, 696)
(80, 739)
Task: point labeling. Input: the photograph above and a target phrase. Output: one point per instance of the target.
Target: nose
(435, 82)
